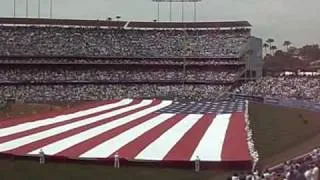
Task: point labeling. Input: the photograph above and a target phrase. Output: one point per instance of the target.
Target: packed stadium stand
(304, 167)
(58, 60)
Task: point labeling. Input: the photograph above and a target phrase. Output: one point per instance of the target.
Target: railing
(120, 82)
(238, 25)
(304, 157)
(284, 102)
(259, 99)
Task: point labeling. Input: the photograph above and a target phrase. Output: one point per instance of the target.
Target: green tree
(265, 47)
(311, 52)
(287, 44)
(273, 49)
(270, 41)
(293, 50)
(279, 53)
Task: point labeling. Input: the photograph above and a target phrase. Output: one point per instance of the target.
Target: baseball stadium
(122, 99)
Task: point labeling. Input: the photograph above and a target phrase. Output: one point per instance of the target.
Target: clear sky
(294, 20)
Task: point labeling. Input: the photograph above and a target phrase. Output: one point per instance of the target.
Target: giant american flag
(136, 129)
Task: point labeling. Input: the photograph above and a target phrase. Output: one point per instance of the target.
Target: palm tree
(265, 47)
(287, 44)
(154, 20)
(109, 18)
(270, 41)
(118, 17)
(273, 48)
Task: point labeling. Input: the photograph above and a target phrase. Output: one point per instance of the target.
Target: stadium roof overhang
(190, 25)
(176, 0)
(124, 24)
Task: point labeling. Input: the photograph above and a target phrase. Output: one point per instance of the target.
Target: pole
(170, 10)
(14, 8)
(194, 11)
(158, 11)
(39, 6)
(182, 10)
(51, 9)
(27, 8)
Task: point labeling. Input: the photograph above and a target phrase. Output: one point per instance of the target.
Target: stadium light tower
(27, 8)
(182, 8)
(14, 8)
(51, 4)
(39, 7)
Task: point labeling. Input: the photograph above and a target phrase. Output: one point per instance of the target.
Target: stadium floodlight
(182, 7)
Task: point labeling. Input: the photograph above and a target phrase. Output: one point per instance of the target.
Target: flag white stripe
(159, 148)
(57, 130)
(30, 125)
(66, 143)
(108, 147)
(211, 144)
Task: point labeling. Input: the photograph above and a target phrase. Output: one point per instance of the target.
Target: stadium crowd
(301, 88)
(154, 61)
(58, 41)
(302, 168)
(294, 87)
(88, 44)
(58, 74)
(158, 44)
(65, 93)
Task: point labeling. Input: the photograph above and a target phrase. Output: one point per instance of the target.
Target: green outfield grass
(31, 170)
(279, 133)
(283, 133)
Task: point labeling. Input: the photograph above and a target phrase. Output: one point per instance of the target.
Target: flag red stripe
(185, 147)
(77, 150)
(38, 144)
(15, 121)
(235, 146)
(50, 126)
(132, 149)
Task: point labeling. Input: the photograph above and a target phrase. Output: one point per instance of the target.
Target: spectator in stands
(76, 92)
(315, 172)
(235, 176)
(63, 74)
(297, 174)
(298, 169)
(286, 166)
(283, 87)
(249, 176)
(267, 174)
(308, 173)
(242, 176)
(71, 41)
(315, 154)
(144, 61)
